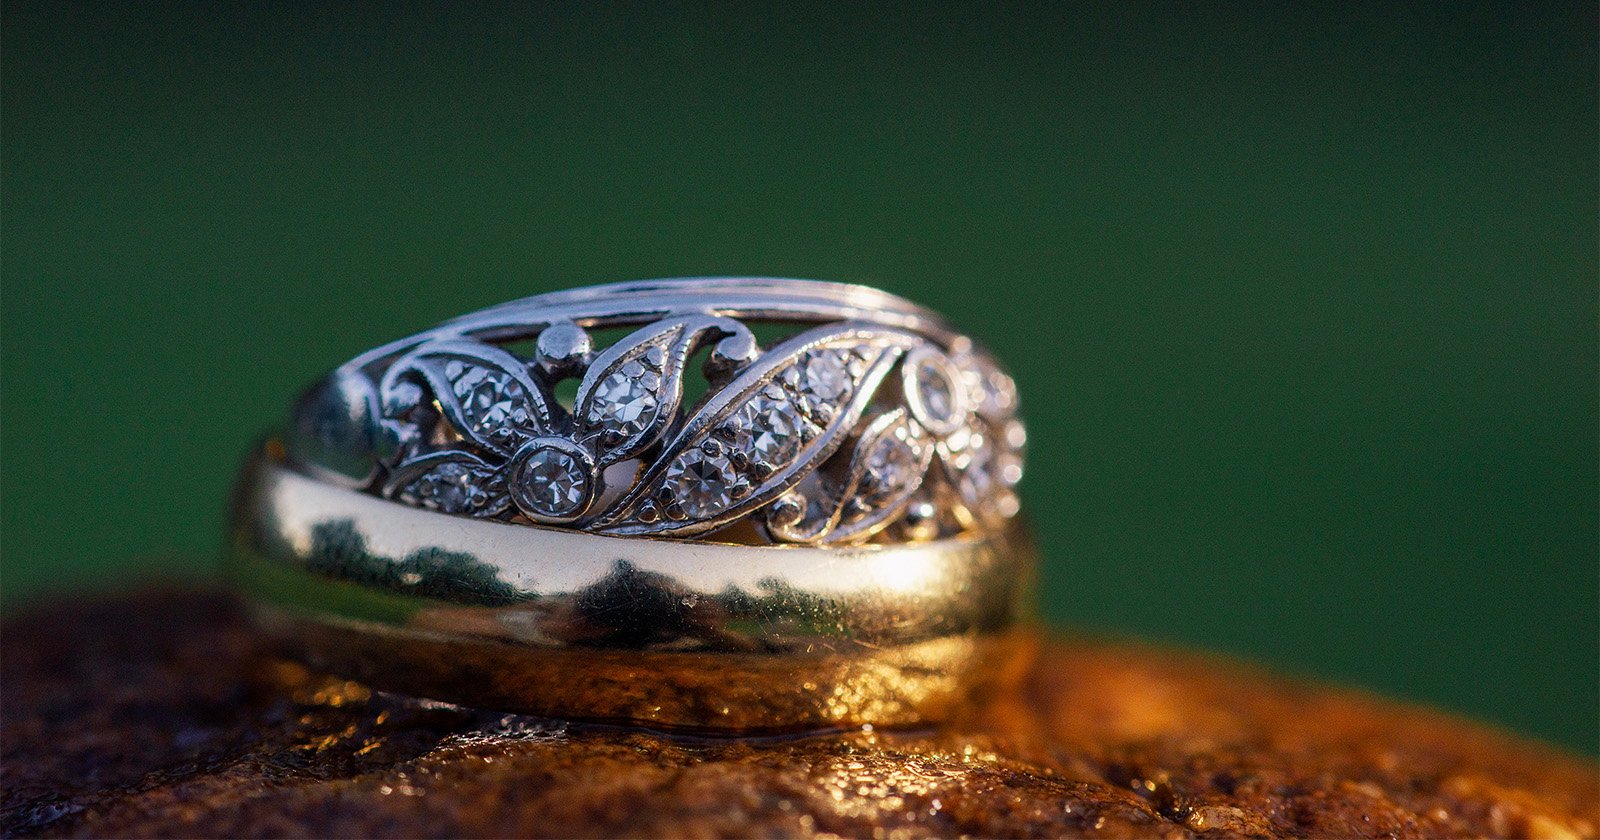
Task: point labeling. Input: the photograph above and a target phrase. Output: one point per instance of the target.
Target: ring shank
(663, 632)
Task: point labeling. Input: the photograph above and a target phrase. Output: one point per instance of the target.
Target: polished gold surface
(665, 632)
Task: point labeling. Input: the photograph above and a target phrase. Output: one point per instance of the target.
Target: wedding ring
(710, 503)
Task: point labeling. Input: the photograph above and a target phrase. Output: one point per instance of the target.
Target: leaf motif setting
(492, 403)
(631, 391)
(486, 392)
(450, 482)
(886, 469)
(470, 429)
(982, 459)
(625, 402)
(767, 431)
(751, 442)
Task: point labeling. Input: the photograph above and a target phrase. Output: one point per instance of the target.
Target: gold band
(662, 632)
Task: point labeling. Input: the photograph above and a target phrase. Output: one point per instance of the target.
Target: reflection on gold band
(670, 633)
(899, 686)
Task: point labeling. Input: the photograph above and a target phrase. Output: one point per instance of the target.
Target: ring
(708, 503)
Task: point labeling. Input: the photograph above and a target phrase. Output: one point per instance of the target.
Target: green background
(1302, 302)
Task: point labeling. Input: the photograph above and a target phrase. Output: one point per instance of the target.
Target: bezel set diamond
(552, 480)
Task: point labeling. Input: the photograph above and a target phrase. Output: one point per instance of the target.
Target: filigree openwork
(836, 434)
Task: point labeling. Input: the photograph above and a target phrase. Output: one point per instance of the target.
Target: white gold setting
(826, 436)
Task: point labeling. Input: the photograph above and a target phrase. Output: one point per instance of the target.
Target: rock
(161, 714)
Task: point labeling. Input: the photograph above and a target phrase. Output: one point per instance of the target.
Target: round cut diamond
(449, 488)
(985, 477)
(554, 483)
(703, 484)
(490, 400)
(822, 378)
(766, 430)
(891, 464)
(625, 402)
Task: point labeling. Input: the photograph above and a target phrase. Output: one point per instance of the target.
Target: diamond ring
(875, 421)
(726, 503)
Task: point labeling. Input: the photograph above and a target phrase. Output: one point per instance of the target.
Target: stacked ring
(729, 504)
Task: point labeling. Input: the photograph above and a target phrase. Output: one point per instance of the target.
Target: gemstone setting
(891, 464)
(450, 483)
(448, 488)
(552, 480)
(835, 428)
(491, 401)
(625, 403)
(701, 484)
(767, 431)
(935, 390)
(822, 380)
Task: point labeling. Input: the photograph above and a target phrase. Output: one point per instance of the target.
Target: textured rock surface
(160, 715)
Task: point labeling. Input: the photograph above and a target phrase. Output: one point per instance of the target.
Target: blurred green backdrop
(1302, 301)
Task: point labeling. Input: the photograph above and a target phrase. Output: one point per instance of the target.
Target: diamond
(822, 379)
(553, 483)
(937, 390)
(489, 400)
(625, 402)
(934, 393)
(985, 477)
(891, 464)
(766, 430)
(703, 484)
(449, 488)
(826, 377)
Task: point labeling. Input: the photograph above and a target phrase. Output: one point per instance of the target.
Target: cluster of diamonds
(760, 438)
(833, 435)
(456, 487)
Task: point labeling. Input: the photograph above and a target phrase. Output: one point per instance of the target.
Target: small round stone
(826, 376)
(822, 379)
(448, 488)
(553, 483)
(766, 430)
(625, 402)
(704, 484)
(490, 400)
(891, 464)
(1001, 395)
(977, 480)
